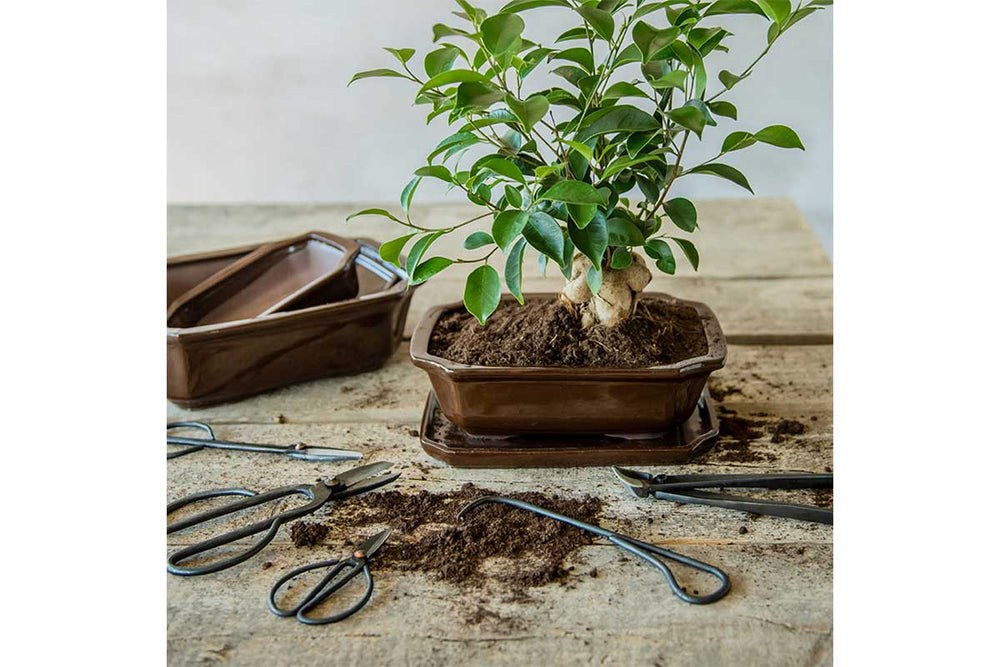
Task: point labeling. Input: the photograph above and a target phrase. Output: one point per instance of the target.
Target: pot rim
(347, 309)
(712, 360)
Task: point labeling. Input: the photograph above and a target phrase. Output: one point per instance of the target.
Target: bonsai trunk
(616, 299)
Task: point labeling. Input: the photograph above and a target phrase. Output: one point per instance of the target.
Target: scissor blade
(375, 542)
(634, 481)
(355, 475)
(311, 453)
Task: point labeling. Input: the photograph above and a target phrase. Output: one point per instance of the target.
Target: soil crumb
(735, 434)
(308, 534)
(547, 334)
(721, 392)
(787, 427)
(823, 497)
(529, 550)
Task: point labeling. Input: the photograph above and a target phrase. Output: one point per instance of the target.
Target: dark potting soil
(428, 536)
(549, 334)
(787, 427)
(308, 534)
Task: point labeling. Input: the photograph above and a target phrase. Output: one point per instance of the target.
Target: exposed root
(615, 301)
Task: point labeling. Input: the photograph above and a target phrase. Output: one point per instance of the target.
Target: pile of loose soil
(735, 435)
(308, 534)
(549, 334)
(429, 537)
(787, 427)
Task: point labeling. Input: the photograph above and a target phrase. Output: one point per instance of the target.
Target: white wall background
(259, 111)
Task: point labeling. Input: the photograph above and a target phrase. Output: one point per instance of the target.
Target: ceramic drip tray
(449, 443)
(305, 271)
(306, 329)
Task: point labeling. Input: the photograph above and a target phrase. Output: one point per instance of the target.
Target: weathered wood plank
(777, 614)
(737, 238)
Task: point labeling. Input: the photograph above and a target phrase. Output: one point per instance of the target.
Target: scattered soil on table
(735, 434)
(308, 534)
(787, 427)
(428, 536)
(823, 497)
(549, 334)
(721, 392)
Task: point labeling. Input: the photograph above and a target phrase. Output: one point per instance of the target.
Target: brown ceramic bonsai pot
(490, 400)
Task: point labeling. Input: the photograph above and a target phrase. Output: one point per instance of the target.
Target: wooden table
(769, 282)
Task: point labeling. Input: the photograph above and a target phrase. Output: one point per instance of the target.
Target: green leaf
(622, 232)
(776, 10)
(545, 235)
(435, 171)
(683, 213)
(477, 240)
(428, 268)
(734, 7)
(512, 269)
(675, 79)
(729, 79)
(620, 118)
(417, 251)
(781, 136)
(623, 89)
(406, 196)
(582, 214)
(482, 292)
(579, 32)
(601, 21)
(441, 30)
(524, 5)
(452, 76)
(513, 196)
(722, 171)
(623, 163)
(690, 118)
(390, 250)
(402, 55)
(530, 111)
(501, 32)
(592, 240)
(579, 55)
(630, 54)
(440, 60)
(507, 225)
(653, 42)
(573, 192)
(374, 211)
(664, 256)
(376, 72)
(503, 167)
(737, 140)
(459, 139)
(595, 277)
(723, 108)
(476, 95)
(583, 149)
(621, 258)
(688, 249)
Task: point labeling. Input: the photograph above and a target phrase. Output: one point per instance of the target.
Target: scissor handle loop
(317, 494)
(323, 590)
(190, 449)
(648, 553)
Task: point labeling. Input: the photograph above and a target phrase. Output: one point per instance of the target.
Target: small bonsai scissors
(350, 483)
(688, 489)
(301, 451)
(356, 564)
(644, 550)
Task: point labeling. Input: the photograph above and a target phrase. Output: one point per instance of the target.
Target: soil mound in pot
(548, 334)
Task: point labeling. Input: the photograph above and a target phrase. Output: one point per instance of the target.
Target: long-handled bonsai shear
(301, 451)
(689, 489)
(350, 483)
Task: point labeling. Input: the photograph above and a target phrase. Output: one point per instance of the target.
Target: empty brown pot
(505, 400)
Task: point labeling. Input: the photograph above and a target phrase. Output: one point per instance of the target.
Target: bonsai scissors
(356, 564)
(349, 483)
(300, 451)
(688, 489)
(648, 552)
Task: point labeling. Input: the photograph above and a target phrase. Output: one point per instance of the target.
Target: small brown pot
(505, 400)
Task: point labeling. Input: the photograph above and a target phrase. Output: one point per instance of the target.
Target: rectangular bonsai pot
(228, 361)
(506, 400)
(308, 270)
(185, 272)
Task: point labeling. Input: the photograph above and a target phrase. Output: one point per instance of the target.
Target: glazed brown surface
(549, 334)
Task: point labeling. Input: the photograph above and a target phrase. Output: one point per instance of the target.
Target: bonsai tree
(590, 186)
